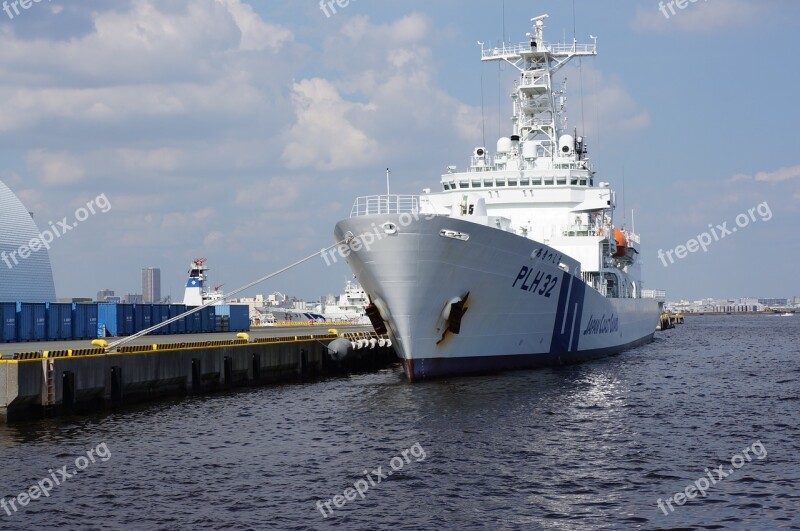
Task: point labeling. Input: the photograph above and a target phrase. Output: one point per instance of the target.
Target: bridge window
(525, 181)
(548, 181)
(463, 184)
(476, 183)
(500, 182)
(512, 182)
(561, 180)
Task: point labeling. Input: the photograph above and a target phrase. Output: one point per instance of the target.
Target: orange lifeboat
(622, 243)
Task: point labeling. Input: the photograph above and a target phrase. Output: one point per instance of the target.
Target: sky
(243, 131)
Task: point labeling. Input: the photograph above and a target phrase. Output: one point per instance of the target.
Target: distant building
(25, 271)
(132, 298)
(74, 299)
(717, 306)
(113, 300)
(151, 285)
(252, 302)
(104, 294)
(773, 303)
(658, 294)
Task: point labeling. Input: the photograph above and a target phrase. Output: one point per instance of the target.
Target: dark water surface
(591, 446)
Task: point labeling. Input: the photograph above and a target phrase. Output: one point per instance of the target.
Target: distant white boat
(351, 305)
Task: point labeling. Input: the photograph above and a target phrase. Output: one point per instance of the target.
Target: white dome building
(21, 279)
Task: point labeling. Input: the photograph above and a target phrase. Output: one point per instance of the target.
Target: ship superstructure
(516, 262)
(350, 306)
(196, 293)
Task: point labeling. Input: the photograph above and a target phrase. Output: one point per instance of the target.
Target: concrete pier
(56, 381)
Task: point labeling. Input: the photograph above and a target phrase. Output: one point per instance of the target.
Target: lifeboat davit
(622, 243)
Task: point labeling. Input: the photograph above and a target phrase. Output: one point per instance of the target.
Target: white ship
(351, 305)
(196, 292)
(279, 309)
(516, 263)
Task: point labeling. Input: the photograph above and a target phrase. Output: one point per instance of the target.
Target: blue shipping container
(161, 314)
(59, 320)
(179, 326)
(239, 318)
(31, 321)
(117, 318)
(84, 320)
(194, 325)
(208, 316)
(142, 317)
(147, 316)
(127, 314)
(8, 327)
(107, 317)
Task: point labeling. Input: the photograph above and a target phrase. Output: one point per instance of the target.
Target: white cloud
(256, 34)
(779, 175)
(697, 15)
(323, 137)
(388, 91)
(607, 105)
(275, 194)
(57, 169)
(211, 58)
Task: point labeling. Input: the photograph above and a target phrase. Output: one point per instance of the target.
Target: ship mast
(538, 110)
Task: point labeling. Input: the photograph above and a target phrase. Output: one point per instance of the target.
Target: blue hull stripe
(569, 312)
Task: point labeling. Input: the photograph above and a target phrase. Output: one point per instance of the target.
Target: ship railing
(585, 230)
(385, 204)
(512, 50)
(632, 236)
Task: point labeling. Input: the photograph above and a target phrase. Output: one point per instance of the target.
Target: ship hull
(524, 307)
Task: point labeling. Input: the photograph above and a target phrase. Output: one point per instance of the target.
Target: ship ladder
(48, 384)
